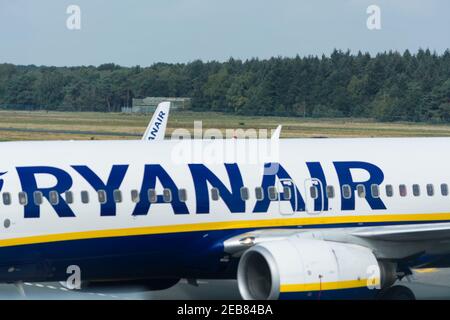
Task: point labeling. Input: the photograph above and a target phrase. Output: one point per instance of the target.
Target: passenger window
(389, 190)
(346, 191)
(6, 198)
(117, 194)
(69, 197)
(102, 197)
(152, 197)
(167, 195)
(375, 190)
(287, 193)
(402, 190)
(135, 197)
(313, 192)
(361, 190)
(37, 197)
(259, 193)
(244, 193)
(416, 190)
(430, 190)
(330, 192)
(215, 194)
(54, 197)
(23, 198)
(84, 197)
(444, 189)
(273, 193)
(182, 195)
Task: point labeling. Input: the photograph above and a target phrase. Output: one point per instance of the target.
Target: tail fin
(156, 129)
(276, 134)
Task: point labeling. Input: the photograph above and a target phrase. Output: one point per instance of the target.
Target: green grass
(119, 124)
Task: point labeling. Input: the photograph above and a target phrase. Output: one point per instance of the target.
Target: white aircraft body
(332, 218)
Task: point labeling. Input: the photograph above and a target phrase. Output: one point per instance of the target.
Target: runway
(427, 284)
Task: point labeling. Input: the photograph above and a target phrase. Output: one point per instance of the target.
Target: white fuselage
(421, 161)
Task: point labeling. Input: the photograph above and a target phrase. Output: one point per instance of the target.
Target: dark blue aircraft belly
(173, 255)
(147, 256)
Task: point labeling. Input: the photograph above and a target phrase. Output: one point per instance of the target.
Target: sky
(144, 32)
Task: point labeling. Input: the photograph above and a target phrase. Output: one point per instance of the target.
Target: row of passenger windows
(390, 190)
(272, 192)
(54, 196)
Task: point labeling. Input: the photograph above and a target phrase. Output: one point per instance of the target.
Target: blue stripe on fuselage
(187, 254)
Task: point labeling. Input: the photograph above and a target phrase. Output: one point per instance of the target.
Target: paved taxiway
(428, 284)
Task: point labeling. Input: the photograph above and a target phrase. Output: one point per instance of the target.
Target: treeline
(389, 86)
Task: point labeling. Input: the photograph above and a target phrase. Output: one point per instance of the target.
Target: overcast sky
(143, 32)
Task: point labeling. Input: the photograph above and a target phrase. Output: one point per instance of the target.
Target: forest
(389, 86)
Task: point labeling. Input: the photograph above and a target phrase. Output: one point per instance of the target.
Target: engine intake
(309, 269)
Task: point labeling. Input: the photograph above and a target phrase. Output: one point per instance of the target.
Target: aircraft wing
(387, 240)
(156, 129)
(416, 232)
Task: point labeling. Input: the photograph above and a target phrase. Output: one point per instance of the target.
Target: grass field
(19, 125)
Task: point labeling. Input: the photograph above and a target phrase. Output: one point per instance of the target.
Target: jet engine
(311, 269)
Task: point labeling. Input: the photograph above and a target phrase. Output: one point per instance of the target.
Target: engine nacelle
(310, 269)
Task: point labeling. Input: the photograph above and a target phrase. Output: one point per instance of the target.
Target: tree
(389, 86)
(384, 107)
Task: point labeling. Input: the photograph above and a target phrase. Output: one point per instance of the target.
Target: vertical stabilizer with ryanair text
(156, 129)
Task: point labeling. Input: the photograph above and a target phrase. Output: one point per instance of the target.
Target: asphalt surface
(428, 284)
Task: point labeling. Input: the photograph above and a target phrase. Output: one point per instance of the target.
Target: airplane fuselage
(131, 209)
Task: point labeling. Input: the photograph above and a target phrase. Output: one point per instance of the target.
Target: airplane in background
(331, 218)
(156, 128)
